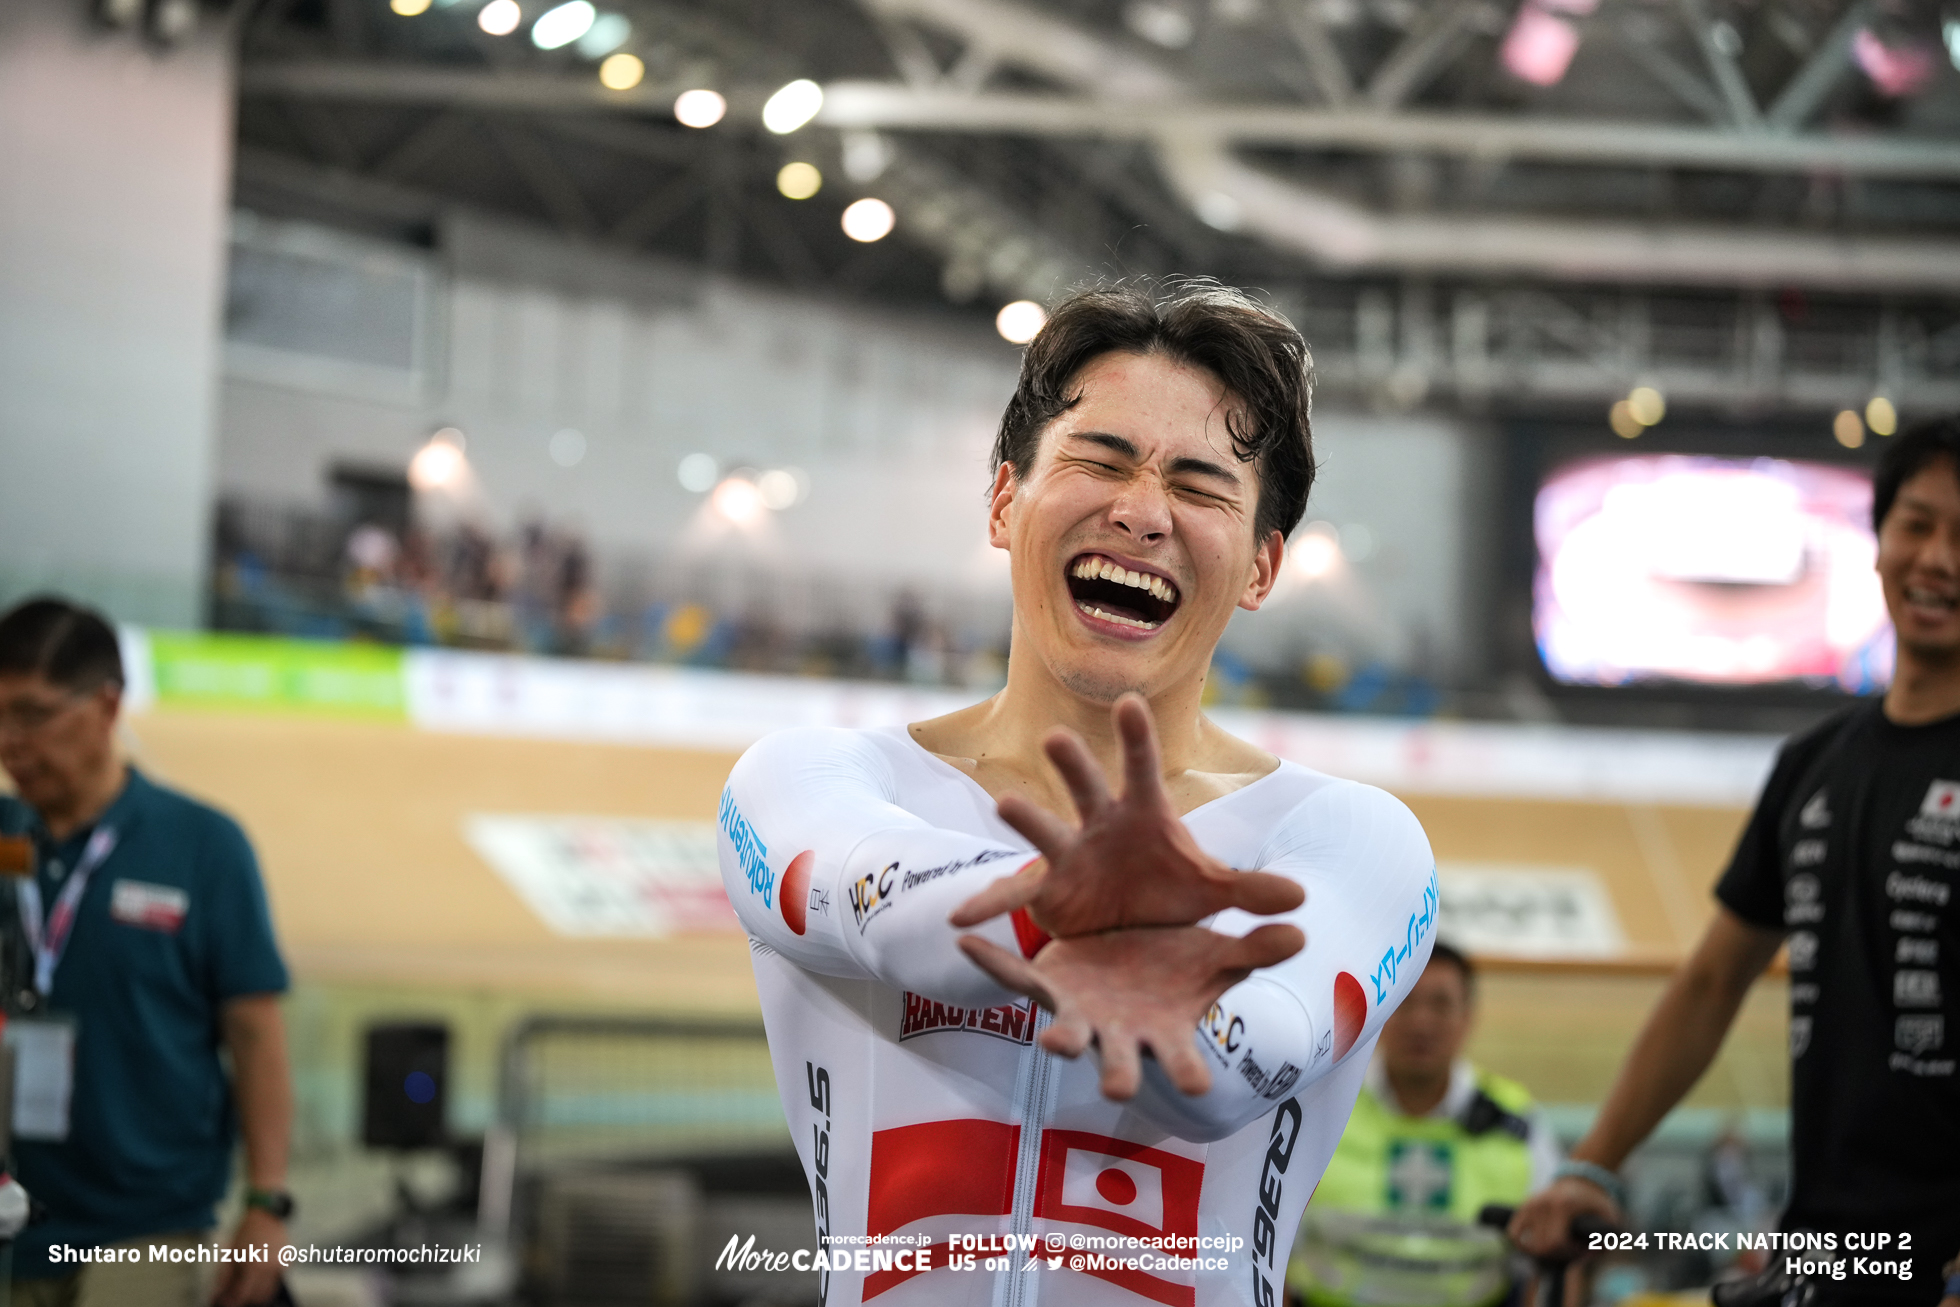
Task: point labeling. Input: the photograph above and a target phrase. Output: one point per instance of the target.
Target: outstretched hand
(1129, 990)
(1131, 862)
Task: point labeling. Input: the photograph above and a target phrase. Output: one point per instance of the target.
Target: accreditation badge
(43, 1049)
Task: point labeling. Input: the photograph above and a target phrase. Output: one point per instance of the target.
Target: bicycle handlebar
(1551, 1270)
(1584, 1226)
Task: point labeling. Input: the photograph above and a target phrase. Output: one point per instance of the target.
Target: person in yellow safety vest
(1431, 1141)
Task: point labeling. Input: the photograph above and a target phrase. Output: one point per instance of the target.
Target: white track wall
(115, 163)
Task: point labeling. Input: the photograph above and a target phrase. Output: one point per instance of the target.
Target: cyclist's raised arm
(824, 867)
(1674, 1048)
(1369, 919)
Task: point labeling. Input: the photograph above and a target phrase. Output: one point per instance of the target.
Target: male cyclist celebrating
(1853, 854)
(1149, 466)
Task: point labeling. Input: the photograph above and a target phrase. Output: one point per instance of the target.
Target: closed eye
(1201, 493)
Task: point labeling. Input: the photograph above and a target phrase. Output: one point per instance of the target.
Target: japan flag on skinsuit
(1118, 1185)
(1127, 1189)
(1942, 800)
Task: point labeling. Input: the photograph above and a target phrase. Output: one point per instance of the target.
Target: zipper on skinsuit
(1016, 1287)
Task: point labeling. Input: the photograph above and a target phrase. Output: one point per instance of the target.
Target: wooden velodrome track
(359, 829)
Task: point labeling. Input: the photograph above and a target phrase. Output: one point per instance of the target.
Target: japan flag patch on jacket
(1942, 800)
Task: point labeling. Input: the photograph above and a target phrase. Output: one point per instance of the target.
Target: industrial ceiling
(1754, 206)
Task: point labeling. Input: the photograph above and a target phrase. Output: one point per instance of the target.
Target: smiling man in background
(144, 948)
(1148, 469)
(1853, 855)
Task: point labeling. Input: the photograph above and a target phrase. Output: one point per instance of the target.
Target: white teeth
(1101, 568)
(1119, 620)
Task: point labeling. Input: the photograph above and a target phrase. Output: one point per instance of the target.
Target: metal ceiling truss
(1484, 348)
(1025, 150)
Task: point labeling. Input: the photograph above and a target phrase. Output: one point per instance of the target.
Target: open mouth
(1106, 589)
(1931, 600)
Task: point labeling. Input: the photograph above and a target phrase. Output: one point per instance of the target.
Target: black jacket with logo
(1854, 849)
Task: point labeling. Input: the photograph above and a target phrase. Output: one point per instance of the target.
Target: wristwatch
(274, 1202)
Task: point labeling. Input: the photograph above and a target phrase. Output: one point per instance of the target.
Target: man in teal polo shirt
(142, 946)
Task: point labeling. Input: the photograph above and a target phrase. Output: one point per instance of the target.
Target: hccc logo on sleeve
(871, 894)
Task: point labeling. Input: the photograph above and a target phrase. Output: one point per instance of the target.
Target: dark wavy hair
(1256, 354)
(1917, 446)
(72, 646)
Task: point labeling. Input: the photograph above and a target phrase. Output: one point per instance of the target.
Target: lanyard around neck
(50, 940)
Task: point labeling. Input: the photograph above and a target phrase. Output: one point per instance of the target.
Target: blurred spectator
(544, 589)
(1432, 1140)
(371, 554)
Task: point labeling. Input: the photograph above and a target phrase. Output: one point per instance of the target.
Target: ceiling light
(1895, 70)
(1646, 405)
(1540, 45)
(792, 106)
(409, 8)
(1881, 417)
(608, 33)
(869, 220)
(500, 17)
(780, 488)
(172, 20)
(1625, 425)
(563, 25)
(1160, 23)
(799, 181)
(1020, 322)
(440, 463)
(1848, 429)
(621, 72)
(119, 13)
(1220, 211)
(866, 156)
(698, 472)
(699, 108)
(738, 500)
(1316, 551)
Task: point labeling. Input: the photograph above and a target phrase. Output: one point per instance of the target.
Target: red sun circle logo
(1117, 1187)
(794, 892)
(1350, 1013)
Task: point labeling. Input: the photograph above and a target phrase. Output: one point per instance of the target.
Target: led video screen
(1718, 571)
